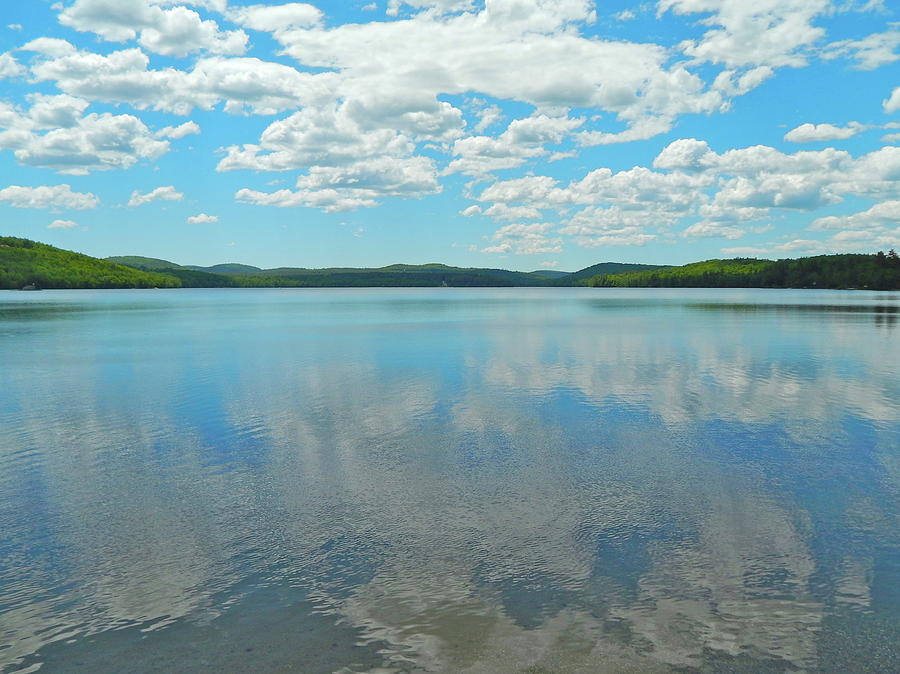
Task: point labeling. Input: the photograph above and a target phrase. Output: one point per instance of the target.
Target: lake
(480, 480)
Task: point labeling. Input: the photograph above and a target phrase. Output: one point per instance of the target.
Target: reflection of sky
(471, 479)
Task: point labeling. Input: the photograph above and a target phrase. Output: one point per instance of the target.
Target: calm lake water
(512, 480)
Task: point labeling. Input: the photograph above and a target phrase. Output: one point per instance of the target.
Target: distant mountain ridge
(24, 262)
(395, 275)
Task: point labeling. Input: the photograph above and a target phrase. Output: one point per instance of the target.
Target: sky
(521, 134)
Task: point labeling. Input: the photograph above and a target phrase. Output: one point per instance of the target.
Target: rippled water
(516, 480)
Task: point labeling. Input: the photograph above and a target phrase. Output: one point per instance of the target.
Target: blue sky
(521, 134)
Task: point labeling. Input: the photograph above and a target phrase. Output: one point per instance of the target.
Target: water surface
(513, 480)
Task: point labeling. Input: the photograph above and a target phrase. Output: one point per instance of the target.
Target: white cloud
(892, 103)
(9, 67)
(550, 264)
(879, 216)
(172, 32)
(243, 84)
(348, 165)
(850, 241)
(331, 201)
(476, 52)
(707, 229)
(354, 185)
(810, 133)
(393, 7)
(62, 224)
(48, 196)
(869, 53)
(505, 212)
(55, 112)
(523, 139)
(726, 195)
(276, 18)
(488, 116)
(613, 226)
(745, 251)
(180, 131)
(746, 34)
(167, 193)
(202, 218)
(76, 145)
(524, 239)
(687, 154)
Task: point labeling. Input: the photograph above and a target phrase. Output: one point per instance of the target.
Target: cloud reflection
(471, 487)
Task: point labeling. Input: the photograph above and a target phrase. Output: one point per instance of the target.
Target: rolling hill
(874, 272)
(24, 262)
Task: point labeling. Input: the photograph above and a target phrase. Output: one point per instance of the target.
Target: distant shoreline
(25, 263)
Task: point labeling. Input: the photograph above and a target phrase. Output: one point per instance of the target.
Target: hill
(395, 275)
(142, 263)
(582, 276)
(875, 272)
(226, 268)
(23, 262)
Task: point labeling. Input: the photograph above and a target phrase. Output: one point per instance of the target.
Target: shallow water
(513, 480)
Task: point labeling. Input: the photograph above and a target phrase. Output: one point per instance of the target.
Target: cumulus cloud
(172, 32)
(357, 184)
(243, 84)
(360, 126)
(706, 230)
(476, 51)
(524, 239)
(847, 241)
(892, 103)
(715, 195)
(746, 34)
(349, 165)
(522, 139)
(166, 193)
(879, 217)
(48, 196)
(869, 53)
(202, 218)
(276, 18)
(62, 224)
(180, 131)
(9, 67)
(809, 133)
(53, 135)
(506, 212)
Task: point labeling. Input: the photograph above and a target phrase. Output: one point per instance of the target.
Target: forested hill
(875, 272)
(24, 262)
(582, 276)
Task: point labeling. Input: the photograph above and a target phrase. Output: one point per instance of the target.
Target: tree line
(880, 271)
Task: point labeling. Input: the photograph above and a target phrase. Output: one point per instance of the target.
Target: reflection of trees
(552, 493)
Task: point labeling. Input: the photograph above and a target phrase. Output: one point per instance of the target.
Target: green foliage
(395, 275)
(583, 276)
(227, 268)
(200, 279)
(876, 272)
(23, 262)
(143, 263)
